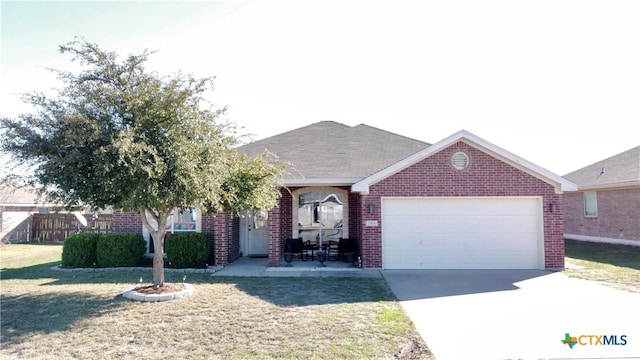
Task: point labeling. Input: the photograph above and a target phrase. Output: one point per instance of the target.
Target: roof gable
(557, 181)
(332, 153)
(620, 170)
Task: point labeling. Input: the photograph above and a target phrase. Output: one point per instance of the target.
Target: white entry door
(257, 233)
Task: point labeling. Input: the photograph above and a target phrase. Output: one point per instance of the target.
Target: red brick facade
(126, 221)
(485, 176)
(433, 176)
(617, 217)
(223, 230)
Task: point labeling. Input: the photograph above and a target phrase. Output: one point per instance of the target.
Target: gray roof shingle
(328, 149)
(620, 169)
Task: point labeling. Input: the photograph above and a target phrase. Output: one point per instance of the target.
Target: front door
(257, 233)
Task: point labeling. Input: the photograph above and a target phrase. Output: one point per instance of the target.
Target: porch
(247, 266)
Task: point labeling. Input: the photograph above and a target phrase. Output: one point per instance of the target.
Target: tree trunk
(157, 235)
(158, 257)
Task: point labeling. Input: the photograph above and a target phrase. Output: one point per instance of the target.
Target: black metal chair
(308, 250)
(294, 247)
(333, 252)
(347, 249)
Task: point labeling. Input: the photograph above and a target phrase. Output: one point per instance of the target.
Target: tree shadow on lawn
(285, 291)
(280, 291)
(25, 314)
(29, 272)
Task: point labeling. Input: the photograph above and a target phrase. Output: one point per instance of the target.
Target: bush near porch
(103, 250)
(187, 250)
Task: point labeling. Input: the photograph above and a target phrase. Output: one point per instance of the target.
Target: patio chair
(295, 247)
(347, 249)
(333, 252)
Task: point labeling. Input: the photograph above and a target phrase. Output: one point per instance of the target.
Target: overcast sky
(556, 82)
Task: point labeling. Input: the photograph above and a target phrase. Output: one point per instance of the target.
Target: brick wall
(234, 240)
(618, 215)
(126, 221)
(222, 234)
(276, 231)
(485, 176)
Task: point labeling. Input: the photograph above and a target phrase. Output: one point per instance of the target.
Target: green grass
(53, 314)
(617, 266)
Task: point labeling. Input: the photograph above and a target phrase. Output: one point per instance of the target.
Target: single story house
(17, 204)
(461, 203)
(24, 216)
(606, 205)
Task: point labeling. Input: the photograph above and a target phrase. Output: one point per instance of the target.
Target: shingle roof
(619, 170)
(18, 195)
(328, 149)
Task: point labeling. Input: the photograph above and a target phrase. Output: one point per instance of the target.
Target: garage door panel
(462, 233)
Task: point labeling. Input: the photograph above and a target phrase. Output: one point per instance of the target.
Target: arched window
(320, 212)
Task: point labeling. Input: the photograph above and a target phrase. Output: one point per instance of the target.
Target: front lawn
(53, 314)
(613, 265)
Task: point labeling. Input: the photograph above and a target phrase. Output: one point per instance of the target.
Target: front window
(590, 204)
(321, 215)
(180, 220)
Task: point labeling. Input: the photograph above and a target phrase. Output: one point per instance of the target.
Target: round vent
(460, 160)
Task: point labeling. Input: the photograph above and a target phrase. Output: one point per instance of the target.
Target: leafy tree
(118, 135)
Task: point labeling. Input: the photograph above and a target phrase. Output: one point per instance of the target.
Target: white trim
(599, 239)
(321, 181)
(610, 186)
(31, 204)
(561, 184)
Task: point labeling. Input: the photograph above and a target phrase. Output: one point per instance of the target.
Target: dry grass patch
(617, 266)
(49, 314)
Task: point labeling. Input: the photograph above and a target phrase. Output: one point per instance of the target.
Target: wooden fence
(57, 227)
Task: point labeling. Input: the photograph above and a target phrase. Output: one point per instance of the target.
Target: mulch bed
(167, 288)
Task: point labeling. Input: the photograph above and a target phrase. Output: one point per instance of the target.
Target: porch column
(221, 234)
(274, 236)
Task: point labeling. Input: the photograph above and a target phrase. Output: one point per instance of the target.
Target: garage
(462, 233)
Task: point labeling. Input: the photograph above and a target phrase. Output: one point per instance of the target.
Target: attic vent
(460, 160)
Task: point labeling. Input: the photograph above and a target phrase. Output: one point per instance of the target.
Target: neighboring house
(461, 203)
(606, 205)
(24, 216)
(17, 204)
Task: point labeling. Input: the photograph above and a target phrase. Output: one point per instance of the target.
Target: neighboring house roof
(13, 195)
(621, 170)
(557, 181)
(333, 153)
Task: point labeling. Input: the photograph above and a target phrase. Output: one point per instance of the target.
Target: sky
(555, 82)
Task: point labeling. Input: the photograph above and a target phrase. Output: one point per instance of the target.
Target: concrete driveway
(517, 314)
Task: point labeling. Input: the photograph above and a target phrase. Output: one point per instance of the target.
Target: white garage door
(462, 233)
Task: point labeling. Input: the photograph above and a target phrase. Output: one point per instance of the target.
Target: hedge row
(103, 250)
(187, 250)
(184, 250)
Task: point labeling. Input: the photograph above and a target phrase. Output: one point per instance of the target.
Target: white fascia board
(30, 204)
(612, 186)
(321, 182)
(561, 184)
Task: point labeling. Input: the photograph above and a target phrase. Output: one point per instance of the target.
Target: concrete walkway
(259, 267)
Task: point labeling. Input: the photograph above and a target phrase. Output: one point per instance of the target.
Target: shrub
(187, 250)
(80, 251)
(120, 249)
